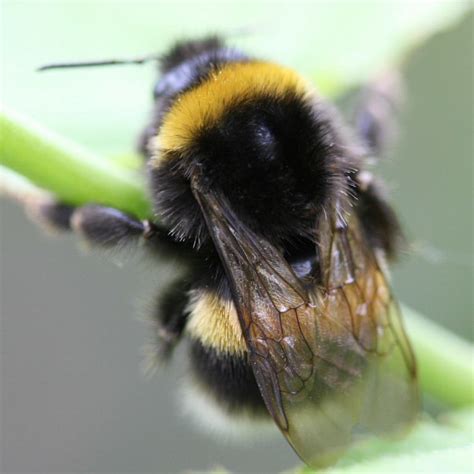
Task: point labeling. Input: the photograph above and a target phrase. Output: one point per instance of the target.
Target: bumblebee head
(254, 135)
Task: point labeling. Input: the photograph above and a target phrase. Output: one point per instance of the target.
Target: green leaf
(445, 361)
(445, 446)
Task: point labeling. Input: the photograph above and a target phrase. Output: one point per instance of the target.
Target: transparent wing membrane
(333, 365)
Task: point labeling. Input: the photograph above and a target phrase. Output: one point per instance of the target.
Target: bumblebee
(264, 196)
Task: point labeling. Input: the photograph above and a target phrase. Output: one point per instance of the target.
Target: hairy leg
(377, 111)
(169, 317)
(103, 227)
(378, 218)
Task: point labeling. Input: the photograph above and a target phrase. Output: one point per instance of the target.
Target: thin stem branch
(73, 174)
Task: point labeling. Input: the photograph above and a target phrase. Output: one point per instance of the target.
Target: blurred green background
(73, 398)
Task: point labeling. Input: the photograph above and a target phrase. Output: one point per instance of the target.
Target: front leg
(376, 114)
(378, 218)
(107, 227)
(104, 227)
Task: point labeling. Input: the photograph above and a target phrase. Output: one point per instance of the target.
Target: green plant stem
(75, 175)
(446, 362)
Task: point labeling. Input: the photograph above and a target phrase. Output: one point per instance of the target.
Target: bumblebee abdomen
(219, 358)
(227, 379)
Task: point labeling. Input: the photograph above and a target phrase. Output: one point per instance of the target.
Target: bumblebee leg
(100, 226)
(169, 318)
(377, 111)
(378, 218)
(107, 227)
(50, 214)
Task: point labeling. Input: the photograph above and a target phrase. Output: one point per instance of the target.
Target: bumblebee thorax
(254, 132)
(234, 84)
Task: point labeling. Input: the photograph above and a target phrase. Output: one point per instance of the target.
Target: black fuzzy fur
(229, 378)
(279, 161)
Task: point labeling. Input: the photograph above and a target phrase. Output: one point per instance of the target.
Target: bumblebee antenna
(107, 62)
(237, 32)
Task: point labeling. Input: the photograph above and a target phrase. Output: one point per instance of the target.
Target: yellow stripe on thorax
(205, 104)
(215, 323)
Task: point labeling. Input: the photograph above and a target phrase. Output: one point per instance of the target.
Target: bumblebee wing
(332, 364)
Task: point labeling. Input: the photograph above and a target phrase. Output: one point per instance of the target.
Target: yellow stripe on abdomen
(215, 323)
